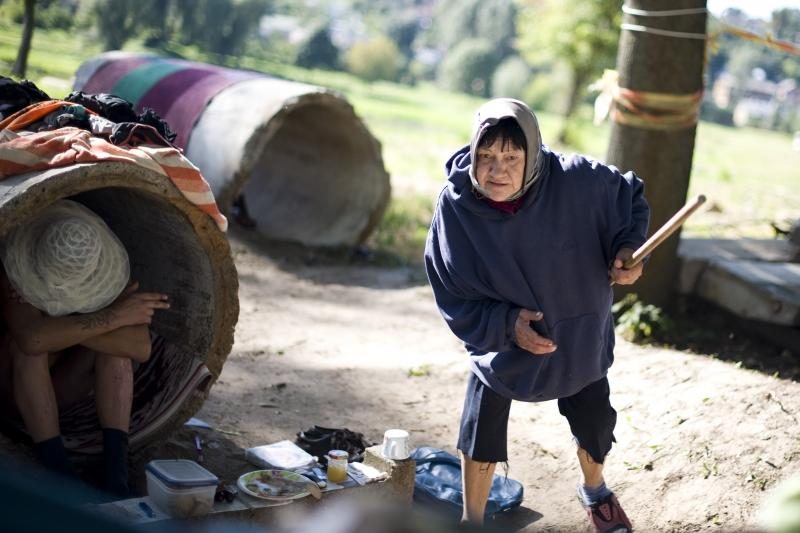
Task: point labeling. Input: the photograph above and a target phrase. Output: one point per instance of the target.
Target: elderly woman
(522, 248)
(70, 323)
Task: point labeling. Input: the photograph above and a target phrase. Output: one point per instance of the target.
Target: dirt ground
(701, 441)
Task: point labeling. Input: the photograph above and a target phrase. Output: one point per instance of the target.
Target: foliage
(469, 67)
(582, 34)
(741, 57)
(453, 22)
(712, 113)
(318, 51)
(637, 321)
(511, 78)
(403, 31)
(116, 21)
(219, 26)
(375, 59)
(546, 89)
(216, 26)
(460, 20)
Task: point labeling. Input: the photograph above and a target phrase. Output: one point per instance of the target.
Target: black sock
(54, 456)
(115, 458)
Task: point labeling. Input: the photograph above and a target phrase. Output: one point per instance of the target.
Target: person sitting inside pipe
(72, 322)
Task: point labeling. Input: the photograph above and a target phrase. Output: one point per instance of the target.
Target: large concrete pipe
(308, 167)
(174, 248)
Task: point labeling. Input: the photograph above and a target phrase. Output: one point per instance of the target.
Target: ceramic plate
(274, 484)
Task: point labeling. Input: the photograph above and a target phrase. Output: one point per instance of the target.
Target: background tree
(116, 21)
(21, 64)
(662, 156)
(219, 26)
(510, 78)
(582, 34)
(318, 51)
(469, 67)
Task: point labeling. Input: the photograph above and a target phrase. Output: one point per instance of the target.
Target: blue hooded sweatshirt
(552, 255)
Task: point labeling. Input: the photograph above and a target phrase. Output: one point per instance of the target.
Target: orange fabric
(33, 113)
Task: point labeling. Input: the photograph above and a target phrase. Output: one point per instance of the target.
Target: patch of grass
(404, 228)
(419, 371)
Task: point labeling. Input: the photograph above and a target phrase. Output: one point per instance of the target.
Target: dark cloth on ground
(318, 441)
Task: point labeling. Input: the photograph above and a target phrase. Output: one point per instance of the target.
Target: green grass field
(752, 177)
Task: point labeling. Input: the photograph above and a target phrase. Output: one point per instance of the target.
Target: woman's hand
(527, 338)
(624, 276)
(133, 308)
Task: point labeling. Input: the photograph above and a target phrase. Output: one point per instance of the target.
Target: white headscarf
(493, 112)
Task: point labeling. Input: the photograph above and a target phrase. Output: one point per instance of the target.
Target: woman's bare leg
(591, 471)
(477, 482)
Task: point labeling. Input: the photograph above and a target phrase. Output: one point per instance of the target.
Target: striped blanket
(22, 151)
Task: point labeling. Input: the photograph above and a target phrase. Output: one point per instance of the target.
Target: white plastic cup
(395, 444)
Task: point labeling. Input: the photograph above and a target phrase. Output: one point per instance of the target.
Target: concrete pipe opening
(308, 168)
(173, 248)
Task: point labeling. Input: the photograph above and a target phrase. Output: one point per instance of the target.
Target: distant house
(756, 101)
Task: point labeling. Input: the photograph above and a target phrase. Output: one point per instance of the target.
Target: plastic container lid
(181, 473)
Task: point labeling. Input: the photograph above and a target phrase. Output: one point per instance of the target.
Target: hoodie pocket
(578, 337)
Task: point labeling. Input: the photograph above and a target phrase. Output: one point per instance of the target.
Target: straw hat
(66, 260)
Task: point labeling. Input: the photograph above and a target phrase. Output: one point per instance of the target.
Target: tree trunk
(21, 64)
(662, 158)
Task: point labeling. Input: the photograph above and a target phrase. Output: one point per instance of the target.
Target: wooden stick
(665, 231)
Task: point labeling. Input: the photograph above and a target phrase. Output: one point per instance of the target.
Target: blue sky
(754, 8)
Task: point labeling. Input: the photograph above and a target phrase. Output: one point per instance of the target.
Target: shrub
(511, 78)
(375, 59)
(637, 321)
(469, 67)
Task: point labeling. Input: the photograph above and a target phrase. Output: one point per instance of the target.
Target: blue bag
(438, 484)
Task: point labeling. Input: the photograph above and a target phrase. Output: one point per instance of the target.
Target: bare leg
(114, 391)
(592, 472)
(34, 394)
(477, 482)
(72, 376)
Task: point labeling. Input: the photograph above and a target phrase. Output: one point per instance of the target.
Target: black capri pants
(484, 422)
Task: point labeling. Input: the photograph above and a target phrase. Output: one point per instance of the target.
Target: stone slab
(772, 250)
(755, 290)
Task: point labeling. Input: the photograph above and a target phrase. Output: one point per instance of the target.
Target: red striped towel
(25, 152)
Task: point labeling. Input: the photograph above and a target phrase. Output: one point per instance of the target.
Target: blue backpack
(438, 484)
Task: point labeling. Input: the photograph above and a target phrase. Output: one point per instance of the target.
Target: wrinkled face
(500, 168)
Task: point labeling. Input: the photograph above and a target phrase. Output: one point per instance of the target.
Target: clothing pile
(102, 114)
(38, 133)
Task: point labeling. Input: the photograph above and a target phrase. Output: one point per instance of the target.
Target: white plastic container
(180, 488)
